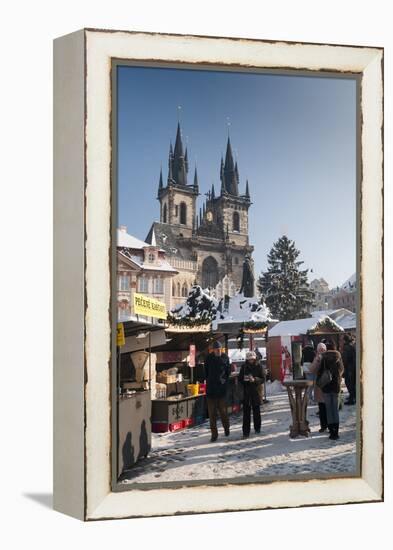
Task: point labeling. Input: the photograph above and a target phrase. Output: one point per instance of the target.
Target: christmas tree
(284, 287)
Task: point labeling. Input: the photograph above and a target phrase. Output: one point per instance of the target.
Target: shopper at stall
(217, 370)
(329, 380)
(251, 377)
(349, 360)
(318, 393)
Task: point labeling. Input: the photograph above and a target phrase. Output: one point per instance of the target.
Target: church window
(173, 289)
(184, 291)
(183, 213)
(178, 289)
(236, 260)
(236, 221)
(165, 214)
(209, 272)
(176, 210)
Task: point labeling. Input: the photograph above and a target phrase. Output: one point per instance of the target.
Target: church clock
(209, 216)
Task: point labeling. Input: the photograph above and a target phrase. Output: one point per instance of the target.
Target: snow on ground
(189, 454)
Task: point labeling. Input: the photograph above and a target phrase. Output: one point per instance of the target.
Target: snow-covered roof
(128, 241)
(350, 284)
(160, 265)
(342, 316)
(300, 326)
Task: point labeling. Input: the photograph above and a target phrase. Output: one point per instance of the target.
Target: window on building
(178, 289)
(176, 210)
(158, 285)
(184, 291)
(151, 257)
(165, 214)
(236, 260)
(236, 221)
(183, 213)
(143, 284)
(124, 282)
(173, 289)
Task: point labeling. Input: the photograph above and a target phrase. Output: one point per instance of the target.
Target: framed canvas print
(218, 250)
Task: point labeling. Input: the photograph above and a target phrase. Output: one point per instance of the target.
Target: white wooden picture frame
(82, 256)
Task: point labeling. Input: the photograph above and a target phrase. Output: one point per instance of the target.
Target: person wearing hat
(217, 370)
(251, 376)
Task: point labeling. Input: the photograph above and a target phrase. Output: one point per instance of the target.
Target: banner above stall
(149, 307)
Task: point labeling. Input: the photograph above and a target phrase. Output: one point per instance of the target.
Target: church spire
(229, 165)
(213, 192)
(180, 162)
(186, 159)
(229, 173)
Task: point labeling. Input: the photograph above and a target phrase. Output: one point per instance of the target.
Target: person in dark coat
(308, 356)
(332, 361)
(251, 377)
(217, 371)
(349, 360)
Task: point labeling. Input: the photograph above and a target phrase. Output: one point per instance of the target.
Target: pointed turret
(237, 173)
(247, 191)
(186, 159)
(213, 192)
(196, 184)
(160, 183)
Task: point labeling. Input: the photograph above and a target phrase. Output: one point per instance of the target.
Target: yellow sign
(149, 307)
(120, 335)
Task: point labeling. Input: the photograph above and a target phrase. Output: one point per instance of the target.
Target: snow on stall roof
(242, 309)
(300, 326)
(342, 316)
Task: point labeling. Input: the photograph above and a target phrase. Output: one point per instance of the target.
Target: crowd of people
(324, 367)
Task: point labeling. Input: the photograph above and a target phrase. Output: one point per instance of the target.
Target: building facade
(344, 296)
(321, 292)
(206, 246)
(141, 268)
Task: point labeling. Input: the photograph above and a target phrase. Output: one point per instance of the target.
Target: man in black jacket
(251, 376)
(217, 370)
(349, 360)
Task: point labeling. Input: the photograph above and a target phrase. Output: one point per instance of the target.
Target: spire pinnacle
(247, 190)
(196, 185)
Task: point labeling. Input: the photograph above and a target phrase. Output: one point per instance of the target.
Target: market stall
(180, 390)
(287, 338)
(134, 384)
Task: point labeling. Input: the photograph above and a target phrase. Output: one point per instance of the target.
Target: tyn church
(206, 247)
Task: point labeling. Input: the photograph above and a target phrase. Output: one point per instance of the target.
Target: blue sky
(294, 138)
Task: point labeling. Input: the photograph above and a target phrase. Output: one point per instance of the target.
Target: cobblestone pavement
(189, 455)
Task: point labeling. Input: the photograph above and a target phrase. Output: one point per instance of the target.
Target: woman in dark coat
(251, 376)
(332, 362)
